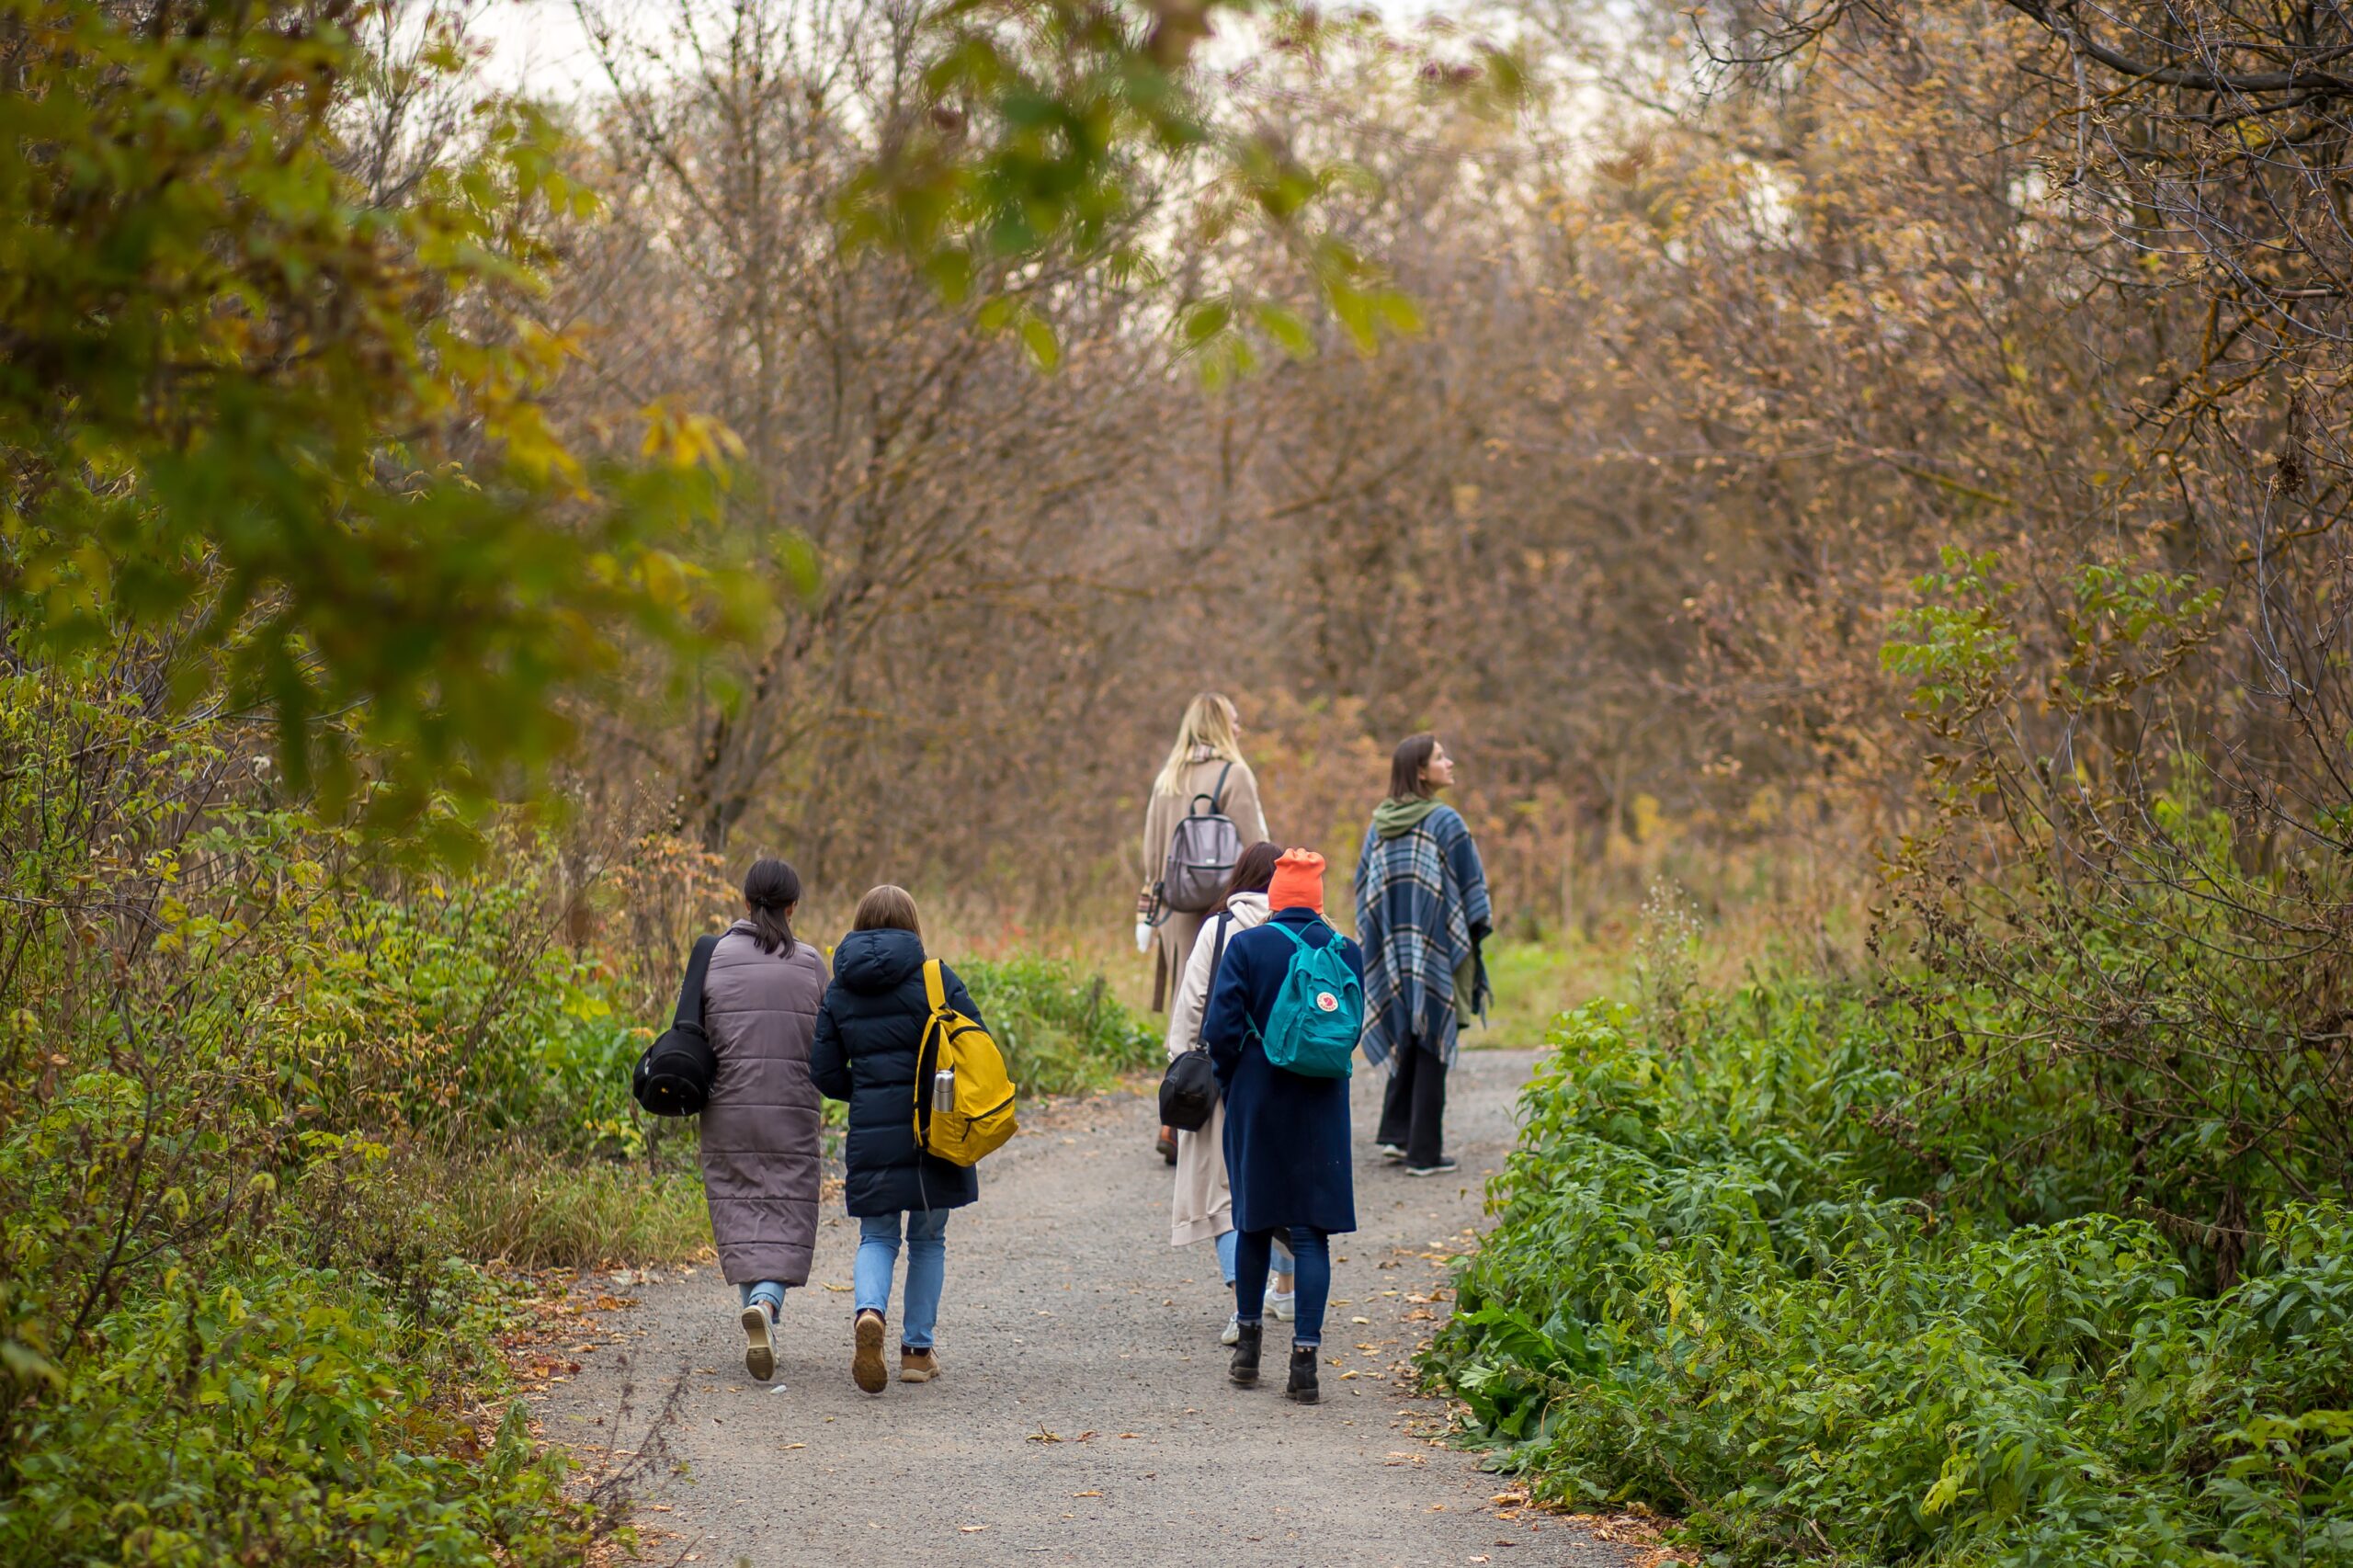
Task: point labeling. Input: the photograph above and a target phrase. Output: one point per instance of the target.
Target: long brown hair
(770, 890)
(887, 908)
(1407, 764)
(1254, 872)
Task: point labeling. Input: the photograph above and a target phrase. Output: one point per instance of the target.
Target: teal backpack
(1311, 1029)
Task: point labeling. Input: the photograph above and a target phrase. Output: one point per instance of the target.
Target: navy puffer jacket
(868, 1031)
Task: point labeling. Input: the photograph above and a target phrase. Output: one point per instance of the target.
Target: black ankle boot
(1245, 1368)
(1303, 1375)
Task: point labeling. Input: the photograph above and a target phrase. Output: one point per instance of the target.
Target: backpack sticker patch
(1328, 1002)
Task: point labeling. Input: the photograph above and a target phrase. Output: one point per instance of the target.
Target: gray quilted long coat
(760, 1129)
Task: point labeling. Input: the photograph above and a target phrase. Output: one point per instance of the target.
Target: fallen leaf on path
(1131, 1434)
(1360, 1319)
(970, 1529)
(790, 1447)
(838, 1290)
(1042, 1436)
(1087, 1494)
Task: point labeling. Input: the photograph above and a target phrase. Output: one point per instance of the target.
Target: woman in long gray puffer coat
(761, 1126)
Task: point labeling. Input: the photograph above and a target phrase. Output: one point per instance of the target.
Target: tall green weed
(1063, 1031)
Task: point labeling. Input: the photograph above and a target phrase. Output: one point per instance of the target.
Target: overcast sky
(540, 44)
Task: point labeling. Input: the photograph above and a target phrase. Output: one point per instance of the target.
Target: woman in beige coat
(1209, 744)
(1206, 760)
(1202, 1209)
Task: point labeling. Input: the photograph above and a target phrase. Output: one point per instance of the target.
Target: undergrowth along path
(1085, 1415)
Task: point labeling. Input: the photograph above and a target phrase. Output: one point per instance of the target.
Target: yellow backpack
(979, 1117)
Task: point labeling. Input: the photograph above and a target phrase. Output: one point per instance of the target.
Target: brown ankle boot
(917, 1366)
(867, 1365)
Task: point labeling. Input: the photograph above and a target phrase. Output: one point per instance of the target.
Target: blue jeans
(1311, 1252)
(1228, 1240)
(769, 1293)
(878, 1258)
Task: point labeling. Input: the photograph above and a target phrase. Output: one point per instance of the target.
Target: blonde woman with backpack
(1204, 774)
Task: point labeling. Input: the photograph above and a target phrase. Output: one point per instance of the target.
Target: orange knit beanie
(1298, 882)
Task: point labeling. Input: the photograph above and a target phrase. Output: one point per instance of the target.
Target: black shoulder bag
(1188, 1089)
(674, 1076)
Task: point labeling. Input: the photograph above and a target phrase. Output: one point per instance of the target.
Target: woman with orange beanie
(1286, 1134)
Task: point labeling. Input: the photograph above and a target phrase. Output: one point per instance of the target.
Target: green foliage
(1048, 130)
(240, 405)
(257, 1095)
(1720, 1289)
(284, 1414)
(1062, 1033)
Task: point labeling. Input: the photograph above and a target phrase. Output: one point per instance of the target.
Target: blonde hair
(886, 908)
(1208, 721)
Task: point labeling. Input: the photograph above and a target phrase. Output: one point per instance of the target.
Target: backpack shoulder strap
(691, 994)
(1296, 940)
(1217, 792)
(935, 990)
(1217, 957)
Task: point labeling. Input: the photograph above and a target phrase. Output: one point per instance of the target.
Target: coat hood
(876, 961)
(1248, 909)
(1396, 817)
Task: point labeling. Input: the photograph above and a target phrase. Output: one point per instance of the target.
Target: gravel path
(1083, 1416)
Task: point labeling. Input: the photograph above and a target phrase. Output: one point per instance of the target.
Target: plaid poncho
(1418, 896)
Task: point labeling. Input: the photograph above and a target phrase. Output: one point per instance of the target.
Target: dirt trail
(1083, 1416)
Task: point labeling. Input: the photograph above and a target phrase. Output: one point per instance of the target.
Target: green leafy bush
(1719, 1289)
(287, 1415)
(1062, 1033)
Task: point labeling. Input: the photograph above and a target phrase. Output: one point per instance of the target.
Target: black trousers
(1413, 1108)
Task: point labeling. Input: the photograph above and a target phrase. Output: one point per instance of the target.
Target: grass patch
(527, 1208)
(1534, 982)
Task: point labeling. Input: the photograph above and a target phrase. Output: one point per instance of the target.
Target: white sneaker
(1232, 1335)
(1279, 1307)
(1391, 1152)
(759, 1350)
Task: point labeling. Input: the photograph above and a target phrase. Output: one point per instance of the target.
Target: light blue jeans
(878, 1258)
(769, 1293)
(1227, 1241)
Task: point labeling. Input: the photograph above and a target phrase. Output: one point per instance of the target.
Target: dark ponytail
(770, 890)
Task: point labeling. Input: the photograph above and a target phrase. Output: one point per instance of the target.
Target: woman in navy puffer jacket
(869, 1030)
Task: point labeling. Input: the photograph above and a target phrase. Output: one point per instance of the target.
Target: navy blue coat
(869, 1030)
(1286, 1136)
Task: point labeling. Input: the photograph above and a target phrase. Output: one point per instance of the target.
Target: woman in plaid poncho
(1422, 912)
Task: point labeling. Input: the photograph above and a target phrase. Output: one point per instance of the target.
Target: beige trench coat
(1202, 1209)
(1172, 941)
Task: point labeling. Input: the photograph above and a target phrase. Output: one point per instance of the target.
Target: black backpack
(675, 1075)
(1201, 854)
(1188, 1089)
